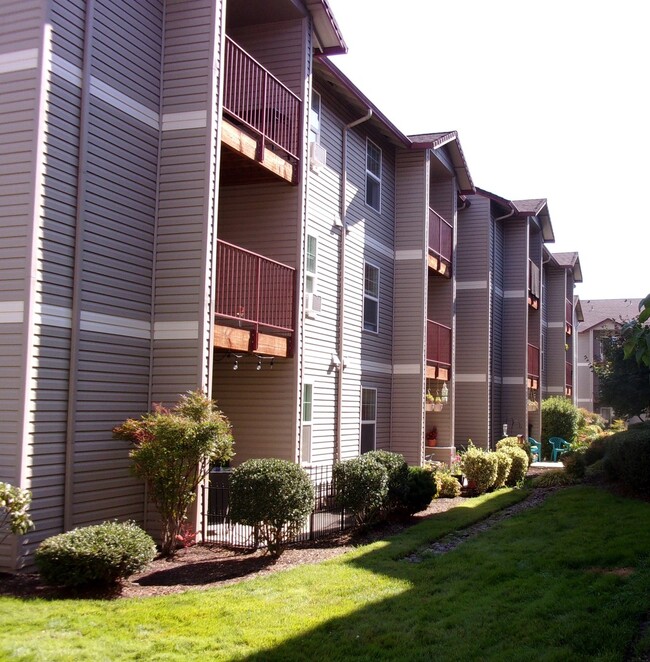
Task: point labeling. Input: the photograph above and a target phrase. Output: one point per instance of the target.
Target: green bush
(559, 419)
(504, 463)
(420, 489)
(447, 486)
(553, 478)
(398, 474)
(627, 458)
(515, 442)
(96, 555)
(574, 463)
(596, 472)
(274, 496)
(595, 451)
(361, 486)
(480, 468)
(519, 465)
(14, 518)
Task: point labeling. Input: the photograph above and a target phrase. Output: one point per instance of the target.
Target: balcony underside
(246, 160)
(249, 341)
(439, 265)
(437, 372)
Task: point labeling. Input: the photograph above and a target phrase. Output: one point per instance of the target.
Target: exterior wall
(555, 357)
(535, 253)
(584, 376)
(498, 263)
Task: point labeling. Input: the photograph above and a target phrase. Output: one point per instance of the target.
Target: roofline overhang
(461, 170)
(328, 32)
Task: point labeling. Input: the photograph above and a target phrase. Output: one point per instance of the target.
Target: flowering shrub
(14, 518)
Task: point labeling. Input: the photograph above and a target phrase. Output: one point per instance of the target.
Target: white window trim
(313, 274)
(320, 116)
(363, 310)
(308, 381)
(373, 176)
(363, 421)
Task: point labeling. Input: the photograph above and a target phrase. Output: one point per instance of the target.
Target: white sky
(550, 100)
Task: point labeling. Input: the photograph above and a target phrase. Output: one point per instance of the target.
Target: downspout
(341, 315)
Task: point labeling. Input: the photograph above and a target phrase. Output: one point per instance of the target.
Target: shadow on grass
(544, 585)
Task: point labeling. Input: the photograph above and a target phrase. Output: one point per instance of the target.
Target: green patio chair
(558, 446)
(535, 449)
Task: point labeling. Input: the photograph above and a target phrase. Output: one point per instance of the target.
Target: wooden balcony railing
(569, 317)
(439, 346)
(254, 291)
(441, 239)
(258, 100)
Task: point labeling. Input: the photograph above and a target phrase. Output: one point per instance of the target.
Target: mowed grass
(569, 580)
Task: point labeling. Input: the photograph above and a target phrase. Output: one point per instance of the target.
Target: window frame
(319, 114)
(363, 421)
(372, 175)
(306, 458)
(371, 297)
(313, 275)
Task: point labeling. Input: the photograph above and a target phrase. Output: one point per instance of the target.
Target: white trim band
(114, 325)
(372, 366)
(512, 381)
(407, 369)
(413, 254)
(185, 330)
(556, 325)
(18, 60)
(379, 247)
(193, 119)
(514, 294)
(471, 284)
(11, 312)
(477, 378)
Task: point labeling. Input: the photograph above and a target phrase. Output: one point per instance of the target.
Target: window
(307, 416)
(373, 176)
(314, 118)
(371, 298)
(368, 419)
(310, 264)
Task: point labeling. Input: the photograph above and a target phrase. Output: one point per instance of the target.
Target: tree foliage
(174, 450)
(624, 382)
(14, 517)
(636, 334)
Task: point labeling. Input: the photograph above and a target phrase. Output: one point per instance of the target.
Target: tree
(14, 518)
(624, 382)
(174, 450)
(636, 334)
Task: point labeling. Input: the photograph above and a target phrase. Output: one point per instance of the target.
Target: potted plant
(432, 437)
(533, 405)
(429, 401)
(437, 403)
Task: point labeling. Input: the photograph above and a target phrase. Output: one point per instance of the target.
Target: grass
(569, 580)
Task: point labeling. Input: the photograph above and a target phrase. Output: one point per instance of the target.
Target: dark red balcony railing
(534, 280)
(441, 237)
(260, 101)
(569, 317)
(533, 361)
(254, 290)
(438, 345)
(569, 378)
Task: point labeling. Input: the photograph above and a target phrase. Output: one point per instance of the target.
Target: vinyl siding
(555, 334)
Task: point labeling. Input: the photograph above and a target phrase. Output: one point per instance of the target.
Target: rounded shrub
(627, 458)
(595, 451)
(480, 468)
(398, 474)
(553, 478)
(361, 486)
(574, 463)
(448, 486)
(420, 489)
(98, 555)
(519, 465)
(515, 442)
(274, 496)
(559, 419)
(504, 463)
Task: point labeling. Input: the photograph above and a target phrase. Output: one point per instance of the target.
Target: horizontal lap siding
(554, 304)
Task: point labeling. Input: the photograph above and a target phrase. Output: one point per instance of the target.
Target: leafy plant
(636, 334)
(574, 463)
(627, 458)
(420, 489)
(519, 465)
(274, 496)
(174, 450)
(398, 475)
(14, 518)
(447, 486)
(553, 478)
(361, 485)
(559, 419)
(95, 555)
(516, 442)
(504, 463)
(480, 468)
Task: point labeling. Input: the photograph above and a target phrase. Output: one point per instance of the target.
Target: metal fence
(325, 519)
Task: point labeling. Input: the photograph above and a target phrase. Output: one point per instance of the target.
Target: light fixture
(236, 364)
(335, 361)
(259, 363)
(444, 393)
(271, 364)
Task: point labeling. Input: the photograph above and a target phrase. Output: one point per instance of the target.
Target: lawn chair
(558, 446)
(535, 449)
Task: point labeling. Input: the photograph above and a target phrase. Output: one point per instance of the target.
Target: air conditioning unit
(312, 305)
(317, 156)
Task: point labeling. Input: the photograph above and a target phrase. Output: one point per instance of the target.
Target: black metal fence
(325, 519)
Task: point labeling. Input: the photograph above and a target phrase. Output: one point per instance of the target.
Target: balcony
(438, 351)
(441, 241)
(254, 307)
(261, 115)
(533, 366)
(569, 318)
(534, 285)
(568, 389)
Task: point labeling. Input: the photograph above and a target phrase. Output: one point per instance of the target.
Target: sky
(550, 100)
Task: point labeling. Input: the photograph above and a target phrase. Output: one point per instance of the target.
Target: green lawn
(569, 580)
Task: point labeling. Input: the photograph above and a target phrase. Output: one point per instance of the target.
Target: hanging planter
(533, 405)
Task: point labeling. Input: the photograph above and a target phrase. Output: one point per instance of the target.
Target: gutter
(341, 311)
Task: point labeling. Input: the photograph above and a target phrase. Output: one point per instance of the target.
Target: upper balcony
(441, 241)
(534, 285)
(569, 317)
(533, 366)
(438, 351)
(254, 307)
(262, 116)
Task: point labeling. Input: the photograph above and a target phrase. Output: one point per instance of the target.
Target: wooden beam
(432, 372)
(272, 345)
(227, 337)
(243, 144)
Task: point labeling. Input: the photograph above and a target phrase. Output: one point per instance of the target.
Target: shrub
(516, 442)
(174, 449)
(627, 458)
(274, 496)
(504, 463)
(480, 468)
(574, 463)
(519, 465)
(447, 486)
(421, 488)
(361, 486)
(559, 419)
(595, 451)
(14, 518)
(552, 478)
(596, 472)
(97, 555)
(398, 475)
